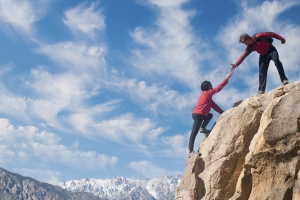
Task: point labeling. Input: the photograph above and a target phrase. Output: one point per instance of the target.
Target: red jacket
(262, 46)
(205, 102)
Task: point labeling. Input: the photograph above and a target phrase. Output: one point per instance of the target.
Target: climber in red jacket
(262, 44)
(201, 115)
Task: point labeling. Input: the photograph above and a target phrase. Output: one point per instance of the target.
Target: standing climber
(262, 44)
(201, 115)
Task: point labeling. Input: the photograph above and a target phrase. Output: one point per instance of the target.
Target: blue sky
(98, 89)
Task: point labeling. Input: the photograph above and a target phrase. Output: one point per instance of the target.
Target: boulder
(252, 152)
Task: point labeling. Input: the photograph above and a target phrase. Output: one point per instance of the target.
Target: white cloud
(21, 14)
(13, 105)
(155, 98)
(147, 169)
(60, 101)
(26, 144)
(165, 3)
(72, 158)
(46, 176)
(68, 90)
(288, 57)
(170, 50)
(127, 128)
(83, 69)
(262, 16)
(54, 93)
(77, 57)
(83, 119)
(177, 145)
(64, 87)
(85, 20)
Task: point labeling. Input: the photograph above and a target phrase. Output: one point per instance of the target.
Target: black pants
(264, 61)
(198, 119)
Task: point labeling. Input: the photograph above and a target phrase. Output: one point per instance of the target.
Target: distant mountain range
(15, 187)
(121, 188)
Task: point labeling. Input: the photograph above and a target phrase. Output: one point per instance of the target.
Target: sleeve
(269, 34)
(246, 53)
(220, 86)
(217, 108)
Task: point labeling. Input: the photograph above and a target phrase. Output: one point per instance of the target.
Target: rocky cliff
(252, 152)
(14, 187)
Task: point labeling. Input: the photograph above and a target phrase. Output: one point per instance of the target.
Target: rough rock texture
(253, 152)
(14, 187)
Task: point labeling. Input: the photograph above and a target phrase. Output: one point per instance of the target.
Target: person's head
(246, 39)
(206, 85)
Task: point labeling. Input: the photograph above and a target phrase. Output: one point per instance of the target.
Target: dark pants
(198, 119)
(264, 61)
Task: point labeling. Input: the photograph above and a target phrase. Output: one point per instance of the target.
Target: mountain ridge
(162, 188)
(14, 186)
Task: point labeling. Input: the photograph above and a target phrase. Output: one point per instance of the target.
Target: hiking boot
(204, 130)
(285, 82)
(261, 92)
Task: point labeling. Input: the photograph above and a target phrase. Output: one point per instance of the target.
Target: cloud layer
(127, 110)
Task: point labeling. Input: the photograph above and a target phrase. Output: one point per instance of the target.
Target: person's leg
(275, 57)
(207, 120)
(264, 62)
(196, 126)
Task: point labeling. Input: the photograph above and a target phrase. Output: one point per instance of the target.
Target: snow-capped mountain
(121, 188)
(15, 186)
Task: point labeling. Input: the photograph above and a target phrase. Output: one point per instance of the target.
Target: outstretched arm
(233, 66)
(246, 53)
(221, 85)
(228, 76)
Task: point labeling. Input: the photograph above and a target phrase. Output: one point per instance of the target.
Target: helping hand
(283, 41)
(229, 75)
(233, 66)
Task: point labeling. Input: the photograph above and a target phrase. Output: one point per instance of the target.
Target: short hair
(244, 37)
(205, 85)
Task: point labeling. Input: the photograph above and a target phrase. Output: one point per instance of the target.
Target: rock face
(253, 152)
(14, 186)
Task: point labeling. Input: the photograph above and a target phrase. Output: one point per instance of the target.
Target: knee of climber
(277, 61)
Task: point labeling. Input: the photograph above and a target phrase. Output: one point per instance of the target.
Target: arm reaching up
(233, 66)
(228, 76)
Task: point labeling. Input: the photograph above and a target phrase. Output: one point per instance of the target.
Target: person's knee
(210, 115)
(277, 62)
